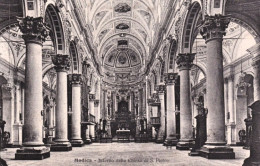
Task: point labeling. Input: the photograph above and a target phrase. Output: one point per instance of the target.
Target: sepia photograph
(129, 83)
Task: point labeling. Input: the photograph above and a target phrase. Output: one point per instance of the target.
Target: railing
(155, 121)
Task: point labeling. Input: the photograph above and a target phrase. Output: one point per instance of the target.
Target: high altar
(123, 126)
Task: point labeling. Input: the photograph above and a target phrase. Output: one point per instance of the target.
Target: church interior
(176, 79)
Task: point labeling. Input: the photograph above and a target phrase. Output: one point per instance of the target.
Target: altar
(123, 135)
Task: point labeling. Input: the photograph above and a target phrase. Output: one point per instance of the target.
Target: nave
(127, 154)
(184, 74)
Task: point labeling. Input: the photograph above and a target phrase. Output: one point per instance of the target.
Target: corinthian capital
(213, 27)
(170, 78)
(61, 62)
(184, 61)
(33, 29)
(160, 88)
(75, 79)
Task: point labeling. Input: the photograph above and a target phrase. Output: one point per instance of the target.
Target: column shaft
(171, 138)
(61, 112)
(76, 139)
(33, 95)
(184, 62)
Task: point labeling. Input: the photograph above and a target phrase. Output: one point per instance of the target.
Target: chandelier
(242, 83)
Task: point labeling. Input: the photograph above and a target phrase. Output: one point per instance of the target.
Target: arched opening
(74, 56)
(57, 35)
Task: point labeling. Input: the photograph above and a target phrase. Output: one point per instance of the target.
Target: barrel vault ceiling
(123, 33)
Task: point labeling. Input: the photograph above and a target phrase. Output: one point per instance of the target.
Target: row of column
(34, 33)
(212, 30)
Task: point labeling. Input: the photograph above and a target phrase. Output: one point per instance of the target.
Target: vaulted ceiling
(125, 31)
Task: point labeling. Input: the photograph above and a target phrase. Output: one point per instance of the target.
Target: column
(97, 110)
(130, 102)
(51, 121)
(254, 158)
(91, 114)
(34, 34)
(256, 66)
(62, 65)
(213, 30)
(171, 138)
(161, 132)
(231, 140)
(184, 62)
(76, 81)
(17, 140)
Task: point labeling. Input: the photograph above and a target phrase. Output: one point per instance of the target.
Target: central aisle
(125, 154)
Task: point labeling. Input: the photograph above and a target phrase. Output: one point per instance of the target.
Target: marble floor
(126, 154)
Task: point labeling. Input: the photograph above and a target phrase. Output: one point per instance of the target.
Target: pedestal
(254, 159)
(161, 131)
(249, 124)
(217, 152)
(32, 153)
(88, 140)
(231, 134)
(18, 129)
(201, 131)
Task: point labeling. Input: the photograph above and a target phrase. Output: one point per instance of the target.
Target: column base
(171, 141)
(61, 146)
(217, 152)
(194, 152)
(87, 141)
(93, 139)
(231, 135)
(76, 143)
(251, 162)
(18, 129)
(32, 153)
(159, 140)
(185, 144)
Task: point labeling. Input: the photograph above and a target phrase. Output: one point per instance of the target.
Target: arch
(74, 56)
(57, 32)
(162, 70)
(172, 53)
(189, 27)
(244, 21)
